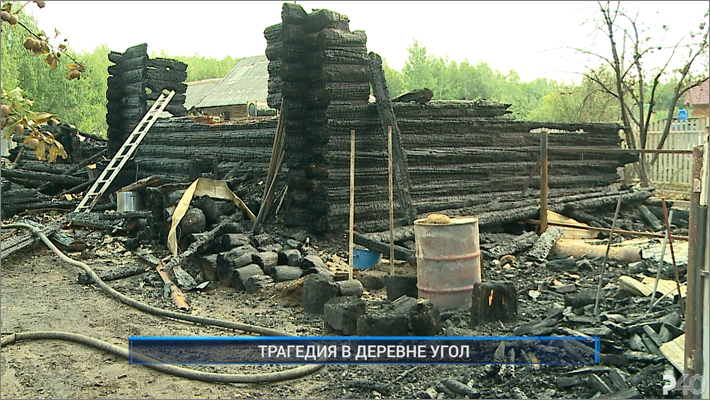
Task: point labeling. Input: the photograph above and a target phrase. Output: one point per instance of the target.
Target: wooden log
(400, 253)
(544, 244)
(67, 180)
(290, 257)
(235, 258)
(142, 183)
(350, 287)
(175, 292)
(232, 240)
(67, 242)
(281, 273)
(578, 249)
(389, 121)
(209, 207)
(238, 276)
(123, 271)
(94, 220)
(516, 245)
(648, 217)
(266, 260)
(192, 222)
(493, 301)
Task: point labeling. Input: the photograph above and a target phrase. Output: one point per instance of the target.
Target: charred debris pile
(31, 184)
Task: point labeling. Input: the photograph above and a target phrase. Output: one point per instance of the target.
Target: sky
(531, 37)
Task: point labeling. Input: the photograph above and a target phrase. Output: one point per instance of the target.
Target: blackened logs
(123, 271)
(400, 253)
(493, 301)
(544, 244)
(513, 246)
(321, 19)
(23, 240)
(193, 221)
(649, 218)
(67, 180)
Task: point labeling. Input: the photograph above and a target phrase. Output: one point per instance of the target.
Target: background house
(237, 95)
(698, 98)
(197, 90)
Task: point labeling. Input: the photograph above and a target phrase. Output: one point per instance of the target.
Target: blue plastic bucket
(365, 259)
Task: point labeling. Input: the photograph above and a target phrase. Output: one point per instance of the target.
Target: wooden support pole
(606, 257)
(352, 203)
(670, 244)
(389, 170)
(543, 180)
(694, 311)
(660, 266)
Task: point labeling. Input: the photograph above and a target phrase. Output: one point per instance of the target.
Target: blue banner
(541, 350)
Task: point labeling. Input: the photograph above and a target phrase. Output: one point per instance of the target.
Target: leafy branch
(38, 43)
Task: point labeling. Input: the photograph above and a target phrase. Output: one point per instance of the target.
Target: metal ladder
(124, 154)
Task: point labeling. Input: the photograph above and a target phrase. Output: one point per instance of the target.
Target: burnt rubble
(30, 184)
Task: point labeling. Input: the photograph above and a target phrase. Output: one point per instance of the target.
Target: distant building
(237, 95)
(197, 90)
(698, 98)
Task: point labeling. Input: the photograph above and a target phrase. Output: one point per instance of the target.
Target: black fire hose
(119, 351)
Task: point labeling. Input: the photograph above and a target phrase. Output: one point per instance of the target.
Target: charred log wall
(135, 81)
(463, 158)
(323, 64)
(183, 149)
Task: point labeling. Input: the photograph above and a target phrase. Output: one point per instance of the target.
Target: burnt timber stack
(135, 82)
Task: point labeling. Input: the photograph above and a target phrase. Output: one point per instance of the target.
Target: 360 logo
(695, 385)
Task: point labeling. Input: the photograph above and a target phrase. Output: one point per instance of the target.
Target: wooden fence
(671, 171)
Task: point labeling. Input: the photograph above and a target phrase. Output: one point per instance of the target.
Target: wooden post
(694, 297)
(352, 201)
(389, 170)
(670, 244)
(543, 181)
(606, 257)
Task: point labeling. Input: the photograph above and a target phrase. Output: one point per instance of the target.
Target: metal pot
(129, 201)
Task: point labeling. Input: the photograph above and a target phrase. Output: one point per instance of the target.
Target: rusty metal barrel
(448, 261)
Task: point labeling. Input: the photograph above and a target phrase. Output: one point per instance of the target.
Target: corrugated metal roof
(699, 95)
(247, 81)
(197, 90)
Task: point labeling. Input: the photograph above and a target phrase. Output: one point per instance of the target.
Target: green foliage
(199, 67)
(81, 102)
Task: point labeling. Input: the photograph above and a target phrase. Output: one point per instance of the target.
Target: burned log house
(464, 157)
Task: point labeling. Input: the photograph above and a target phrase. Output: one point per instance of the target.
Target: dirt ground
(41, 293)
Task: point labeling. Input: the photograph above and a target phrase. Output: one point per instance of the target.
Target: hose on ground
(270, 377)
(170, 369)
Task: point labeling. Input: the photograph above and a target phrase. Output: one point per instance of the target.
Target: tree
(17, 113)
(635, 88)
(395, 80)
